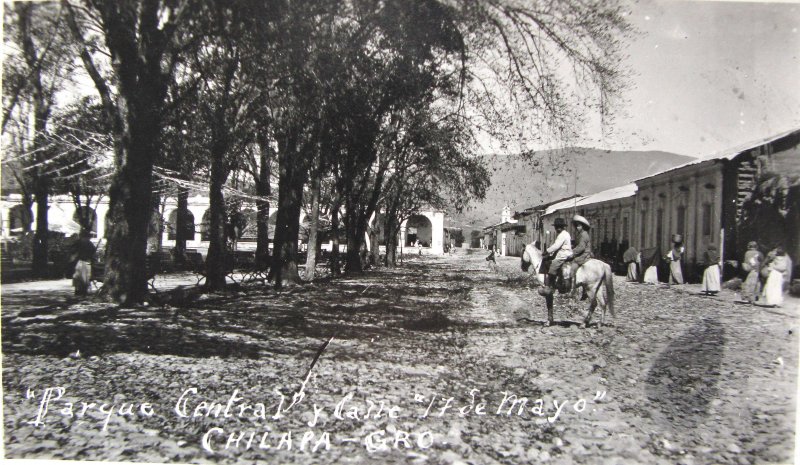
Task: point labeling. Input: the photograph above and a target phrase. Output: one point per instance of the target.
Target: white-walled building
(425, 226)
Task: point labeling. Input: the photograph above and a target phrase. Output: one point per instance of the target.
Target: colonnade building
(748, 193)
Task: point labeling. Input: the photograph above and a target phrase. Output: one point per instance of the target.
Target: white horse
(594, 276)
(532, 257)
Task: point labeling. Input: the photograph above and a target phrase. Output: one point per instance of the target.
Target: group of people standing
(766, 276)
(712, 271)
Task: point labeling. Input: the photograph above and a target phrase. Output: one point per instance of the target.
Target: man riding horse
(577, 269)
(564, 252)
(561, 250)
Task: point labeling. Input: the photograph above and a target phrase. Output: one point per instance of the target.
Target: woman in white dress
(773, 289)
(711, 278)
(674, 258)
(632, 258)
(753, 259)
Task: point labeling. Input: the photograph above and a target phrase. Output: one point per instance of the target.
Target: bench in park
(243, 262)
(155, 265)
(12, 271)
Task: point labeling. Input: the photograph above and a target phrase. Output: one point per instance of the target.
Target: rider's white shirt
(563, 245)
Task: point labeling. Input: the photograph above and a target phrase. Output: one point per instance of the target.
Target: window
(614, 228)
(642, 242)
(624, 228)
(173, 221)
(681, 220)
(659, 227)
(707, 215)
(605, 229)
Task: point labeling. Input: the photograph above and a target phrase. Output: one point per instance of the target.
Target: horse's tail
(608, 278)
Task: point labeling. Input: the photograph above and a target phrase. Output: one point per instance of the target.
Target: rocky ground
(422, 362)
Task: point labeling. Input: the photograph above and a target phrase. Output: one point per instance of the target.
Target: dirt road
(423, 366)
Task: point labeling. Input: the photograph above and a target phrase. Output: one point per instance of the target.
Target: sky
(707, 76)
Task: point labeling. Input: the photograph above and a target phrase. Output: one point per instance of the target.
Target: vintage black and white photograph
(400, 231)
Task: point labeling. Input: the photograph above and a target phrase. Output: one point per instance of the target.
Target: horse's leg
(549, 302)
(590, 310)
(603, 301)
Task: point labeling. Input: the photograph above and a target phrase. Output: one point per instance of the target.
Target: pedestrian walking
(83, 255)
(751, 264)
(491, 259)
(631, 258)
(711, 275)
(775, 267)
(674, 257)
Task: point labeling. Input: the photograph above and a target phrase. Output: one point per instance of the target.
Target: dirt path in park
(678, 379)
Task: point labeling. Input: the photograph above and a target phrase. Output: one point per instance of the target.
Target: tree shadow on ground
(248, 322)
(23, 301)
(559, 323)
(683, 379)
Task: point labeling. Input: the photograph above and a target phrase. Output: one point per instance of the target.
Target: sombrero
(559, 223)
(582, 220)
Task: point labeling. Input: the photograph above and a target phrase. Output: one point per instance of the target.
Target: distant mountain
(551, 174)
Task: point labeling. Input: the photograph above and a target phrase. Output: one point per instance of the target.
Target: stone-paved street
(678, 378)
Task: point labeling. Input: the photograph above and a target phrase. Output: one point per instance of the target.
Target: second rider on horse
(582, 251)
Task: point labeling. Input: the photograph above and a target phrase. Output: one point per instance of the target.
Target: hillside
(550, 175)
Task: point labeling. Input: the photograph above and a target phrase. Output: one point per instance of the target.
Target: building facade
(748, 193)
(425, 226)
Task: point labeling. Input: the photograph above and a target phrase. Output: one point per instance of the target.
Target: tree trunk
(40, 237)
(159, 210)
(335, 238)
(262, 207)
(181, 224)
(375, 248)
(287, 231)
(390, 234)
(136, 120)
(130, 209)
(130, 194)
(355, 227)
(290, 202)
(215, 260)
(41, 113)
(311, 256)
(357, 216)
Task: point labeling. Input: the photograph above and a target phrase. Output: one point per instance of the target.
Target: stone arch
(154, 230)
(273, 221)
(419, 228)
(107, 224)
(172, 224)
(86, 217)
(249, 226)
(20, 219)
(204, 225)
